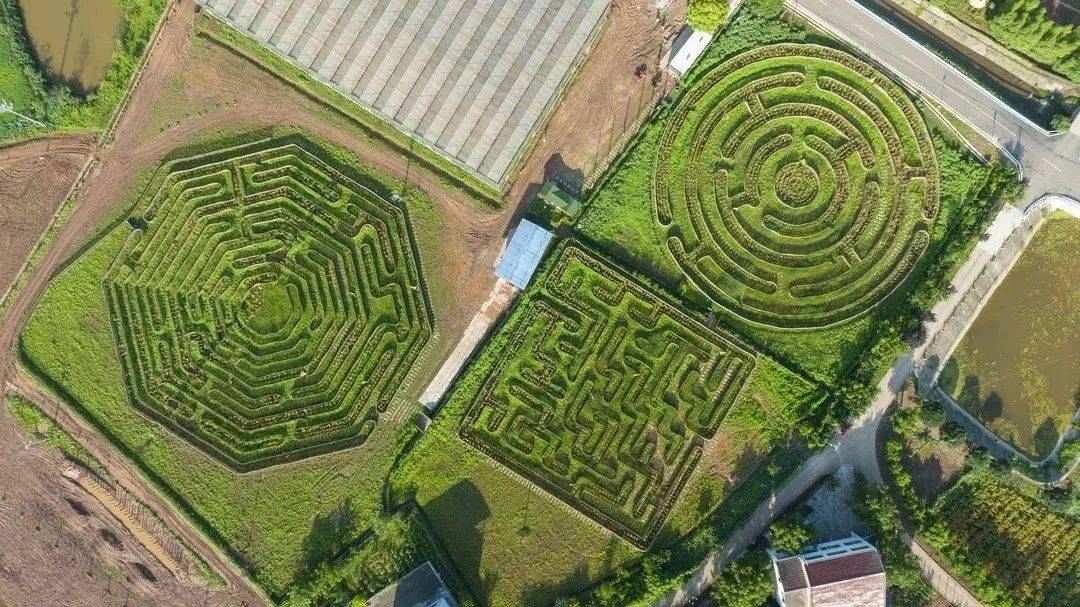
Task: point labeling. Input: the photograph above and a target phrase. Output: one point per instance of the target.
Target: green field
(796, 186)
(600, 415)
(786, 222)
(265, 306)
(280, 521)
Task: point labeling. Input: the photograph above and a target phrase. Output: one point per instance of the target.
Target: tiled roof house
(842, 573)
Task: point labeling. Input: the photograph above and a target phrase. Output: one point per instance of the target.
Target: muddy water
(72, 39)
(1018, 367)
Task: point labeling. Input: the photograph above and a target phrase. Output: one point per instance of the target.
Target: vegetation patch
(798, 186)
(279, 521)
(606, 393)
(1007, 545)
(53, 102)
(265, 306)
(622, 359)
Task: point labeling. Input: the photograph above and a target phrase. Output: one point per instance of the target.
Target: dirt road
(58, 546)
(124, 472)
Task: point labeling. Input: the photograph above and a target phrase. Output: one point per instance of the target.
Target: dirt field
(34, 178)
(59, 546)
(607, 98)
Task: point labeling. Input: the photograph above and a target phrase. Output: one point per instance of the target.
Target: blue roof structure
(523, 254)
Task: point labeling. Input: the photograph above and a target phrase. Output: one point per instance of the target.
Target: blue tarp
(523, 254)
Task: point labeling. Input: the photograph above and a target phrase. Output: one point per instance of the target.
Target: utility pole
(6, 107)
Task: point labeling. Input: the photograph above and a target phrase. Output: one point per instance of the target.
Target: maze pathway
(266, 307)
(605, 393)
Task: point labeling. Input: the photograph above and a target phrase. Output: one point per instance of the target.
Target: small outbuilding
(422, 587)
(523, 254)
(688, 46)
(553, 195)
(841, 573)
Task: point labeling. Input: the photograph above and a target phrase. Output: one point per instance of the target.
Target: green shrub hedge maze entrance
(797, 184)
(605, 393)
(266, 307)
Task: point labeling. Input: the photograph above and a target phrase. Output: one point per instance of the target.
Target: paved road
(1051, 163)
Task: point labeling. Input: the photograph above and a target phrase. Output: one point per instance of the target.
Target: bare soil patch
(619, 83)
(34, 179)
(59, 546)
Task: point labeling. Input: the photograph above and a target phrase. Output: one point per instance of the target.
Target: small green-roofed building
(553, 195)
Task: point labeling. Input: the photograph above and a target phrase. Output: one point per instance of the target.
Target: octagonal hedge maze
(266, 307)
(797, 184)
(605, 393)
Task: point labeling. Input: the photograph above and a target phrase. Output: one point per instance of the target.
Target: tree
(790, 535)
(743, 583)
(707, 15)
(932, 414)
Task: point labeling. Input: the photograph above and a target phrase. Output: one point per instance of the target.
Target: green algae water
(1018, 367)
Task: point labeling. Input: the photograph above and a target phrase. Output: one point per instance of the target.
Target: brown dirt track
(192, 86)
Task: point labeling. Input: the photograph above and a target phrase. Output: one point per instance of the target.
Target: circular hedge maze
(797, 184)
(266, 307)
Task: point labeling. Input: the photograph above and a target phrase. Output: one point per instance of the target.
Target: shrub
(1024, 26)
(707, 15)
(932, 413)
(790, 535)
(953, 433)
(1060, 122)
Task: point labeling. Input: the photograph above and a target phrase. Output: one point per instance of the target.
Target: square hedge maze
(604, 393)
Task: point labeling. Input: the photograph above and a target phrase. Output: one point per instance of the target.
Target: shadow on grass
(461, 512)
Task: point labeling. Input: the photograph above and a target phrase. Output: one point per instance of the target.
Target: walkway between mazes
(1050, 163)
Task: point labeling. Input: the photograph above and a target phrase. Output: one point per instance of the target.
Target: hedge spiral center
(797, 185)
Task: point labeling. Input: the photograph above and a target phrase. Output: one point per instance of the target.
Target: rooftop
(471, 79)
(523, 254)
(844, 573)
(421, 587)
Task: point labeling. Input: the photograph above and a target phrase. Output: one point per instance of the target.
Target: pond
(72, 39)
(1018, 367)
